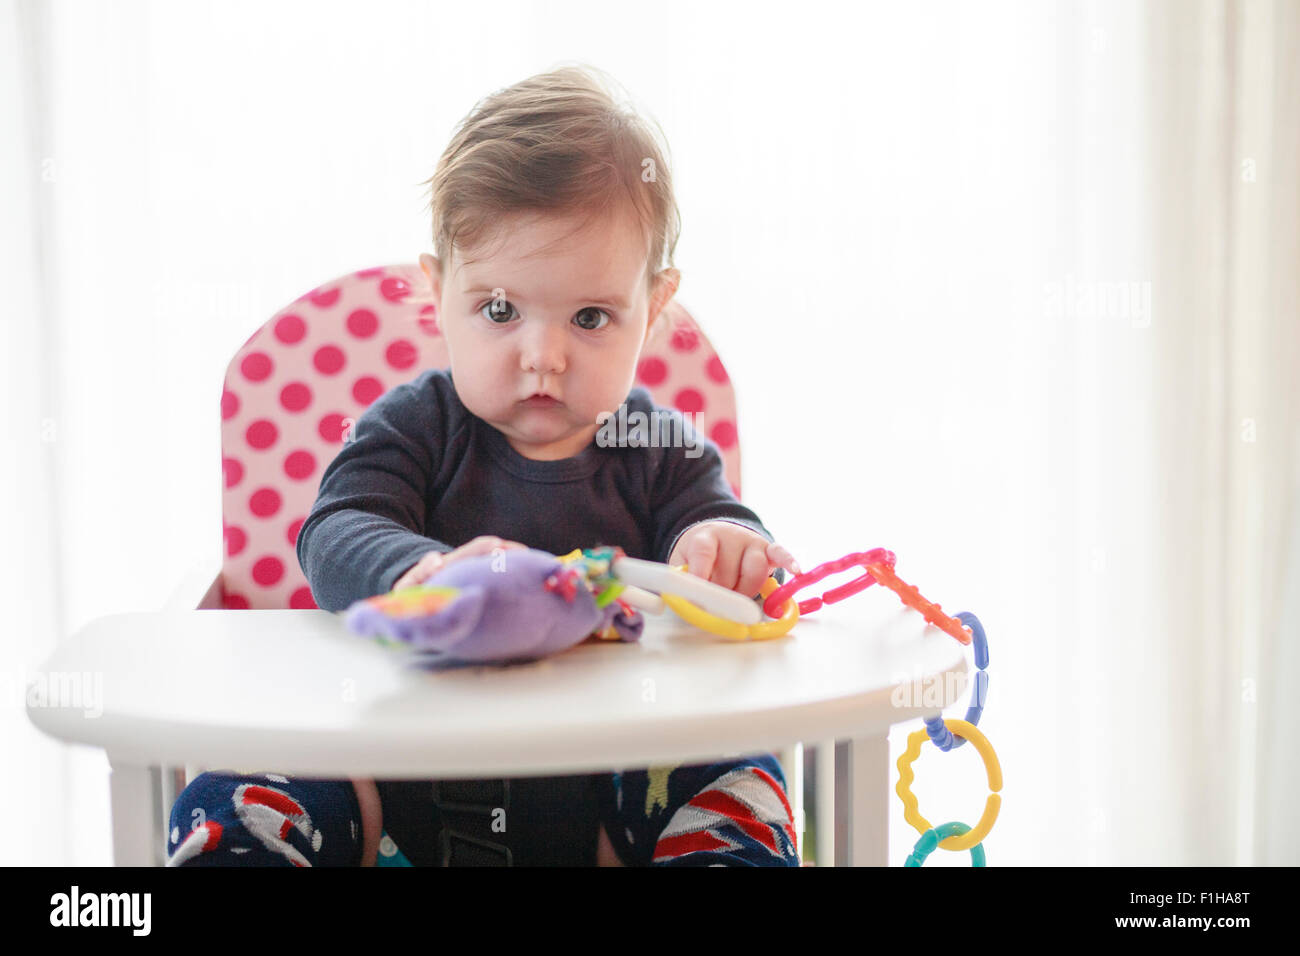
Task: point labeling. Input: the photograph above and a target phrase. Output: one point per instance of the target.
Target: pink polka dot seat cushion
(302, 379)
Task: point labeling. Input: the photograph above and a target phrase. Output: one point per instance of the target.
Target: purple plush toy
(514, 605)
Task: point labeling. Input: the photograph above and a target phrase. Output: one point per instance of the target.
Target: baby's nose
(543, 350)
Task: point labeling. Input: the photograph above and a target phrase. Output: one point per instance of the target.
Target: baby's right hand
(436, 560)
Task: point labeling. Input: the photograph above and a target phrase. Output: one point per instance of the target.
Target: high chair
(177, 685)
(297, 386)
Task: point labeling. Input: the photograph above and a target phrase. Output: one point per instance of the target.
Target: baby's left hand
(731, 555)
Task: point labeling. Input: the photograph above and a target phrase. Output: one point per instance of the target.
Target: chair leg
(791, 760)
(173, 782)
(134, 802)
(824, 802)
(862, 801)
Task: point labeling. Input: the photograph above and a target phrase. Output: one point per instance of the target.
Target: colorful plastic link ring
(991, 806)
(933, 613)
(862, 559)
(733, 630)
(925, 846)
(940, 735)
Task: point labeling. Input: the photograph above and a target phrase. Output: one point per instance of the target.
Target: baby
(554, 227)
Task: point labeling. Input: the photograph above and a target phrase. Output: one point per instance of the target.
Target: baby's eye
(592, 315)
(498, 311)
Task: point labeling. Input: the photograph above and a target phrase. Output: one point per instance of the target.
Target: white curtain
(1010, 289)
(1225, 205)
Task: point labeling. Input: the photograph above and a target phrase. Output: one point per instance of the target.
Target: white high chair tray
(293, 691)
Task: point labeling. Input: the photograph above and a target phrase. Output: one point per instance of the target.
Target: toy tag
(415, 601)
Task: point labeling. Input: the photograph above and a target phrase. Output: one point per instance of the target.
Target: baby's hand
(731, 555)
(436, 560)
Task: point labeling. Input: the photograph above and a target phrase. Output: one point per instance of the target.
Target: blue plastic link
(933, 837)
(940, 735)
(978, 640)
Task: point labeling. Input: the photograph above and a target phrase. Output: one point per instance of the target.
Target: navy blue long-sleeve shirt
(421, 473)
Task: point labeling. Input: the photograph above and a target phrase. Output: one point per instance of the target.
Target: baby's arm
(435, 561)
(700, 523)
(363, 532)
(731, 555)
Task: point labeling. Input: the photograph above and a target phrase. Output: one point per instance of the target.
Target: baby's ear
(666, 283)
(432, 269)
(665, 286)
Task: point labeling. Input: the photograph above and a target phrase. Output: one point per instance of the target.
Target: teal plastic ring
(934, 836)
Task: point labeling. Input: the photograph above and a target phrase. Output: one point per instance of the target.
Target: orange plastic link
(910, 596)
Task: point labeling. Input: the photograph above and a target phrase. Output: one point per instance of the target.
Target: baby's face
(567, 321)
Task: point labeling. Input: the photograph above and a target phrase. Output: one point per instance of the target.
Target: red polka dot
(685, 339)
(369, 273)
(232, 470)
(235, 540)
(723, 434)
(262, 434)
(323, 297)
(235, 602)
(362, 323)
(689, 400)
(735, 490)
(229, 404)
(713, 368)
(428, 320)
(328, 359)
(301, 600)
(264, 502)
(267, 571)
(652, 371)
(394, 290)
(290, 329)
(331, 427)
(256, 366)
(294, 527)
(366, 389)
(295, 396)
(401, 354)
(300, 465)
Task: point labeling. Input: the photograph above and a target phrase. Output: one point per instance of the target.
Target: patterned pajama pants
(728, 813)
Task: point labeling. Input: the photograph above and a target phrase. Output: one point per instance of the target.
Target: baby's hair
(559, 142)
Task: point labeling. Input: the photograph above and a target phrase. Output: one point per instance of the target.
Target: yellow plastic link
(991, 806)
(705, 621)
(733, 631)
(766, 630)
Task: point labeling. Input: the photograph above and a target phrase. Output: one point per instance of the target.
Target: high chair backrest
(300, 382)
